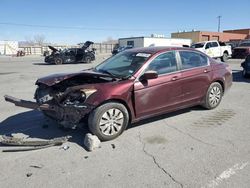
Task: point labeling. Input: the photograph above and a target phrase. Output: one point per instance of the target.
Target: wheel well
(221, 83)
(122, 102)
(225, 52)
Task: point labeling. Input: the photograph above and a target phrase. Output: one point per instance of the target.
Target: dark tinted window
(192, 59)
(214, 44)
(208, 45)
(164, 63)
(197, 45)
(245, 44)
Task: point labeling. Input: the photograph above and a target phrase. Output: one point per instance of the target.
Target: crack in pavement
(156, 163)
(189, 135)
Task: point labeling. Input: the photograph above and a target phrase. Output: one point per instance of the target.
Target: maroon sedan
(133, 85)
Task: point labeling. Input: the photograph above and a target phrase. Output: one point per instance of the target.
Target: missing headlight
(75, 98)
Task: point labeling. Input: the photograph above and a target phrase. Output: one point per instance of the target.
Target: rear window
(197, 45)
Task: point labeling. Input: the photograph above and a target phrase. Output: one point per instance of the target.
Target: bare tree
(39, 39)
(110, 40)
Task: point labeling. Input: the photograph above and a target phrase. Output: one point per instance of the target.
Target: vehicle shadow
(34, 124)
(167, 115)
(238, 77)
(43, 64)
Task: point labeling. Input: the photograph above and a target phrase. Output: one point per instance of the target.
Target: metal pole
(219, 17)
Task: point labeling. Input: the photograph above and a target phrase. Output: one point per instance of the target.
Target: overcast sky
(74, 21)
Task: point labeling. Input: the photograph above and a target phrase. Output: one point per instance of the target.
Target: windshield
(245, 44)
(124, 64)
(197, 45)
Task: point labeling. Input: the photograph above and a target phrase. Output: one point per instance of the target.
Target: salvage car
(71, 55)
(246, 67)
(130, 86)
(241, 51)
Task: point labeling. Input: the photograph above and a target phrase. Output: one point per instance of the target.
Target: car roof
(153, 50)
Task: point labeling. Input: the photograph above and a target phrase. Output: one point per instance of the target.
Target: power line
(81, 28)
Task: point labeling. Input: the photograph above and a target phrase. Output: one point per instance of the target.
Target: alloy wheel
(111, 122)
(214, 96)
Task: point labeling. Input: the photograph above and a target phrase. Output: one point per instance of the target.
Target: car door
(209, 49)
(157, 95)
(216, 49)
(196, 76)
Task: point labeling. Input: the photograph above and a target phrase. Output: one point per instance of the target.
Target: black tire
(87, 59)
(213, 96)
(224, 58)
(103, 113)
(58, 61)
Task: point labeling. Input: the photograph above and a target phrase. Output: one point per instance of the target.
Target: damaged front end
(64, 97)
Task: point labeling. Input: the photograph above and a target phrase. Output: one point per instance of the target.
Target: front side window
(164, 63)
(208, 45)
(192, 59)
(214, 44)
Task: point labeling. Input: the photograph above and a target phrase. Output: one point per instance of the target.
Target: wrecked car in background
(131, 86)
(71, 55)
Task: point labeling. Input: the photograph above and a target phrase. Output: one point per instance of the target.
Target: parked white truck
(214, 49)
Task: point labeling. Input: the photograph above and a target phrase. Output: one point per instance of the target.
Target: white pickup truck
(214, 49)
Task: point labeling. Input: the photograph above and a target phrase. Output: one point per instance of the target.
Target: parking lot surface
(188, 148)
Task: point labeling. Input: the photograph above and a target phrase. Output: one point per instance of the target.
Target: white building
(8, 47)
(137, 42)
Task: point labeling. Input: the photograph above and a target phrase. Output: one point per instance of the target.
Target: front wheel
(108, 121)
(224, 58)
(213, 96)
(58, 61)
(88, 59)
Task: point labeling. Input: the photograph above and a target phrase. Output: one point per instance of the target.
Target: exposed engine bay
(63, 97)
(66, 99)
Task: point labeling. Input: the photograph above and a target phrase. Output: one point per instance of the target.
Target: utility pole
(219, 17)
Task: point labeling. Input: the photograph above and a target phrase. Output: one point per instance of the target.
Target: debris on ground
(113, 146)
(29, 174)
(36, 166)
(85, 157)
(65, 147)
(20, 135)
(33, 144)
(91, 142)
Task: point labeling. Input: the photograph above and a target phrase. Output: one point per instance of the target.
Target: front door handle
(174, 78)
(206, 71)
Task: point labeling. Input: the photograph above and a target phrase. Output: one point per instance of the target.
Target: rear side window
(191, 60)
(164, 63)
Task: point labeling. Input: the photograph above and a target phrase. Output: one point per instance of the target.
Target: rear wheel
(224, 58)
(213, 96)
(108, 121)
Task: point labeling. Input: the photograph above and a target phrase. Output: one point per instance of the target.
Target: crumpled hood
(57, 78)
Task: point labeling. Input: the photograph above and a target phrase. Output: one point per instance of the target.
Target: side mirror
(206, 47)
(148, 75)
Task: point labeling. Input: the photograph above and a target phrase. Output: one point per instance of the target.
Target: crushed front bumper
(67, 116)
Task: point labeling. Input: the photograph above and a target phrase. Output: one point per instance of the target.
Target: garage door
(204, 37)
